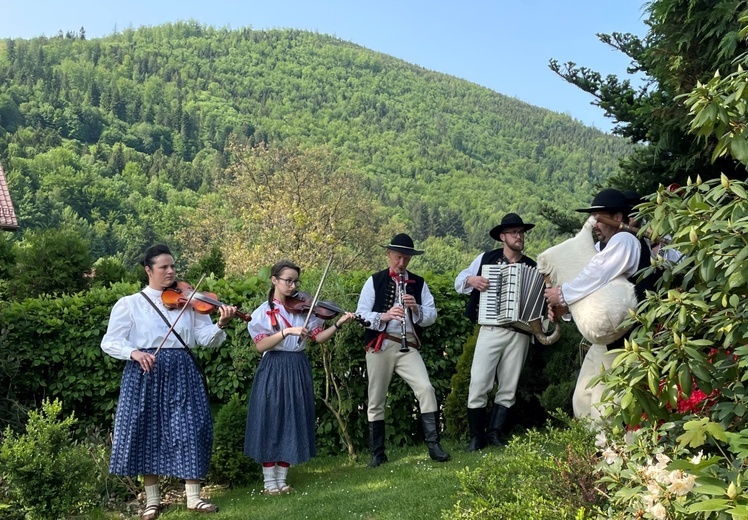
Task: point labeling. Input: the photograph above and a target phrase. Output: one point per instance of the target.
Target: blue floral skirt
(281, 417)
(163, 424)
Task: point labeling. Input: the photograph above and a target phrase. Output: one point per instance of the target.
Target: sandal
(284, 490)
(271, 492)
(203, 507)
(151, 513)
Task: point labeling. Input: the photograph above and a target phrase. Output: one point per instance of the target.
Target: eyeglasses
(516, 233)
(290, 281)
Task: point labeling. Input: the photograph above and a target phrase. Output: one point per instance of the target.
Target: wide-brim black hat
(609, 199)
(402, 243)
(510, 220)
(633, 198)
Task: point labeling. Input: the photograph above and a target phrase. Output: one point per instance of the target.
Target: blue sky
(503, 45)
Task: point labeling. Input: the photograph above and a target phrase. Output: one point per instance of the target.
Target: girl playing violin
(163, 424)
(280, 418)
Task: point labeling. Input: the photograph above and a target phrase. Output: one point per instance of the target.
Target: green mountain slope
(127, 132)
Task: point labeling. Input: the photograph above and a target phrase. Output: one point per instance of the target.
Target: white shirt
(461, 285)
(260, 326)
(423, 316)
(619, 258)
(670, 256)
(134, 324)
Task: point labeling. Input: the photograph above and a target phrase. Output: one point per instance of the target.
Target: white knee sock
(280, 475)
(268, 474)
(152, 496)
(193, 494)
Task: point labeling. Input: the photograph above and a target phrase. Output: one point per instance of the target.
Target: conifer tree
(687, 41)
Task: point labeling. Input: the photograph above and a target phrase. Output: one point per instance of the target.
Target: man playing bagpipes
(620, 254)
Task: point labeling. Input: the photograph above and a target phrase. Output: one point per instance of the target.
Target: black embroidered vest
(384, 296)
(647, 283)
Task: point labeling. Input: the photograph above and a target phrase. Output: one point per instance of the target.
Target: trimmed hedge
(49, 348)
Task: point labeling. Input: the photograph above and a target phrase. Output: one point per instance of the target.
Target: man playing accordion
(500, 351)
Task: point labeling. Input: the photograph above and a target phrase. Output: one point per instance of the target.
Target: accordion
(514, 298)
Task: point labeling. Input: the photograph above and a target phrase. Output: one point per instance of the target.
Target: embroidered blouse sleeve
(116, 341)
(259, 327)
(315, 326)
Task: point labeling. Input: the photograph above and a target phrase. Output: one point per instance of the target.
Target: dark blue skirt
(280, 418)
(163, 424)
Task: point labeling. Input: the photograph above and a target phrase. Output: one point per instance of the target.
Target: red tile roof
(8, 218)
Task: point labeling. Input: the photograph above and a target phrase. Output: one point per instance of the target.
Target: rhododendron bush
(677, 436)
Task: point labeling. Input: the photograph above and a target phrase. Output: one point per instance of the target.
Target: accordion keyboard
(514, 298)
(498, 303)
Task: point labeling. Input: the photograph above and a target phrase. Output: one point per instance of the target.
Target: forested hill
(93, 132)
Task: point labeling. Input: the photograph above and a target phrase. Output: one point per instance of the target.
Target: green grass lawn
(410, 486)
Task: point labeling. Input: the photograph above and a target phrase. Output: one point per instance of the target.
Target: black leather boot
(376, 444)
(431, 435)
(477, 421)
(496, 425)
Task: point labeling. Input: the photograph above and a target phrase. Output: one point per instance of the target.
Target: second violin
(301, 302)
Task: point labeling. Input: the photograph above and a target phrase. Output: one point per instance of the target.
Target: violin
(176, 296)
(301, 303)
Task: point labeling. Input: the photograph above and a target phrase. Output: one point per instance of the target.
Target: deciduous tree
(286, 201)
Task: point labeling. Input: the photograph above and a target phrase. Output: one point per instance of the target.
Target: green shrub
(48, 475)
(51, 261)
(555, 469)
(455, 407)
(558, 397)
(211, 264)
(228, 464)
(46, 332)
(107, 271)
(546, 383)
(7, 257)
(111, 490)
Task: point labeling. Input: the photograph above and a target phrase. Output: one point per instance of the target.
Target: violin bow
(316, 296)
(187, 304)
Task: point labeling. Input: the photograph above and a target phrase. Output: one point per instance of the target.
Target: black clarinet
(401, 301)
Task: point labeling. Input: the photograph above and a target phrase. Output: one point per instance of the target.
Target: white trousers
(585, 401)
(409, 365)
(499, 356)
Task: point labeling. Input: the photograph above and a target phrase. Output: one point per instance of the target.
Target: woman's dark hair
(276, 270)
(152, 252)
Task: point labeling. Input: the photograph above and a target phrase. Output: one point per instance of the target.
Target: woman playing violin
(280, 418)
(163, 424)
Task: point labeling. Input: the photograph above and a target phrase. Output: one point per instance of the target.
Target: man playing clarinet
(500, 352)
(398, 304)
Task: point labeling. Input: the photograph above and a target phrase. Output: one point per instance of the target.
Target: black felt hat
(609, 199)
(633, 198)
(402, 243)
(510, 220)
